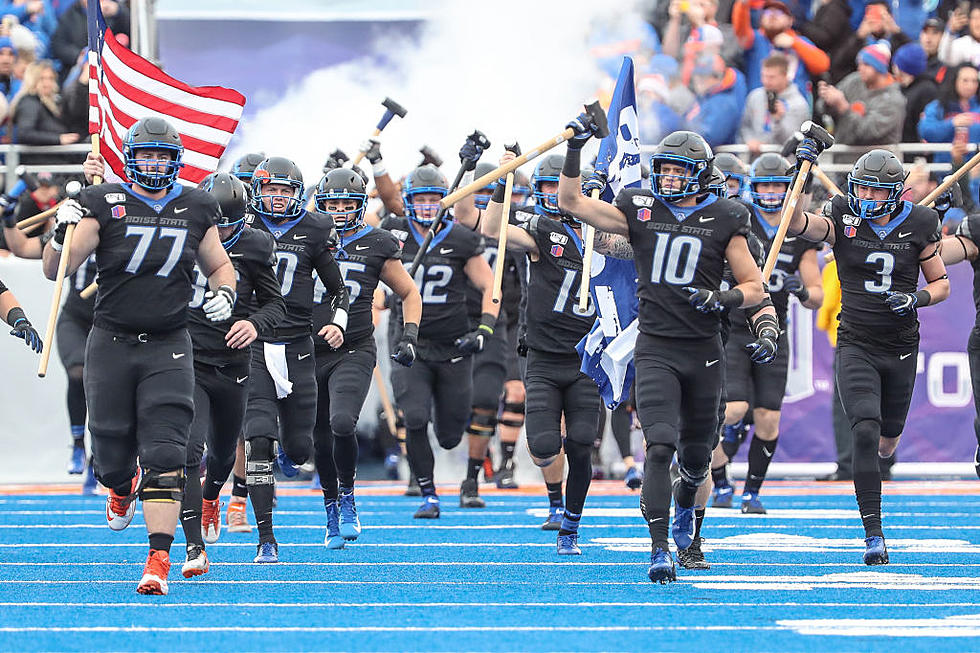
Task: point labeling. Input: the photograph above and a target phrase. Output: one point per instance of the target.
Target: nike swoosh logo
(177, 356)
(302, 356)
(235, 255)
(903, 235)
(298, 237)
(241, 380)
(710, 363)
(703, 219)
(445, 250)
(456, 360)
(180, 210)
(361, 247)
(767, 454)
(903, 356)
(789, 239)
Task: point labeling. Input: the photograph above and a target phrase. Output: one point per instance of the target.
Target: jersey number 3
(885, 262)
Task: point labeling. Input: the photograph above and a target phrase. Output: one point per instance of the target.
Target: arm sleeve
(333, 280)
(268, 294)
(742, 23)
(933, 125)
(816, 60)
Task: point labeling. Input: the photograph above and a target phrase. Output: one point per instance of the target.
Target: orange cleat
(210, 520)
(155, 572)
(119, 510)
(236, 518)
(197, 562)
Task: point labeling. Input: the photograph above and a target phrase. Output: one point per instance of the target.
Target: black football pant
(973, 349)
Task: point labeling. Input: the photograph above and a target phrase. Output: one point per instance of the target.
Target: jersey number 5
(353, 286)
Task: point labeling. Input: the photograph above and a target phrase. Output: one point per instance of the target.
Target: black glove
(24, 329)
(903, 303)
(952, 198)
(708, 301)
(584, 127)
(473, 342)
(807, 150)
(470, 154)
(7, 206)
(794, 285)
(763, 349)
(404, 353)
(597, 182)
(372, 151)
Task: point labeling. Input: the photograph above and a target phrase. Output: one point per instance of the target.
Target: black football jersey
(442, 281)
(554, 322)
(259, 298)
(675, 247)
(146, 253)
(510, 286)
(81, 309)
(970, 228)
(361, 258)
(302, 247)
(872, 259)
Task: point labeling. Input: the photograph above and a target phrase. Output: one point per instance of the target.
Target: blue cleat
(391, 466)
(553, 521)
(875, 552)
(735, 434)
(288, 468)
(634, 478)
(568, 545)
(89, 485)
(267, 552)
(333, 540)
(429, 508)
(751, 504)
(350, 525)
(682, 528)
(662, 569)
(77, 463)
(722, 496)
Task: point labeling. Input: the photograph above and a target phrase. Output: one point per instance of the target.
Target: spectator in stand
(9, 82)
(954, 116)
(71, 34)
(774, 110)
(929, 38)
(868, 106)
(74, 97)
(918, 87)
(37, 114)
(37, 16)
(718, 110)
(700, 26)
(662, 99)
(830, 28)
(876, 26)
(954, 49)
(776, 33)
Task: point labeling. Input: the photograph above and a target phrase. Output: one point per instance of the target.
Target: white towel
(617, 356)
(275, 362)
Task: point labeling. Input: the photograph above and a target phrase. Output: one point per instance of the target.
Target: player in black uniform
(763, 386)
(283, 394)
(139, 378)
(366, 256)
(221, 364)
(442, 376)
(735, 172)
(679, 354)
(551, 241)
(880, 244)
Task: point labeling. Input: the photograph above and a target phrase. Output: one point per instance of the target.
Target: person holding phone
(775, 110)
(877, 25)
(954, 50)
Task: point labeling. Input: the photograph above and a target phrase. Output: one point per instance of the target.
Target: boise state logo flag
(643, 215)
(850, 231)
(118, 212)
(557, 250)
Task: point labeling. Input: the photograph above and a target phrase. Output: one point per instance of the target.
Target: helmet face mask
(341, 195)
(735, 172)
(482, 197)
(681, 166)
(875, 184)
(421, 192)
(718, 184)
(769, 182)
(152, 153)
(278, 192)
(232, 199)
(546, 197)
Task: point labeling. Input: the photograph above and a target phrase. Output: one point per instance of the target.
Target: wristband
(340, 319)
(487, 322)
(803, 294)
(922, 298)
(55, 245)
(572, 167)
(466, 179)
(378, 168)
(766, 322)
(15, 314)
(231, 292)
(410, 331)
(731, 298)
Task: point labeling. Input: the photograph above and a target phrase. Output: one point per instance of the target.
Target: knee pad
(75, 372)
(449, 440)
(660, 433)
(344, 426)
(258, 462)
(695, 477)
(161, 486)
(514, 409)
(659, 455)
(866, 433)
(482, 424)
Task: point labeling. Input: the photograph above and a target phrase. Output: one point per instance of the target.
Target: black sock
(554, 494)
(124, 489)
(330, 494)
(473, 467)
(760, 455)
(190, 510)
(867, 488)
(719, 476)
(238, 487)
(345, 459)
(506, 451)
(161, 542)
(698, 520)
(569, 523)
(579, 476)
(422, 459)
(212, 486)
(261, 496)
(655, 493)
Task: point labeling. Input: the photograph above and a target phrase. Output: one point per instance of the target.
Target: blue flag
(607, 350)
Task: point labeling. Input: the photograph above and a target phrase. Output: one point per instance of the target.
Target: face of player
(152, 161)
(277, 198)
(772, 193)
(224, 233)
(426, 205)
(673, 178)
(734, 187)
(871, 193)
(341, 210)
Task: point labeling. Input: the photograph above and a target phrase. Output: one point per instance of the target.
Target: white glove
(69, 212)
(219, 305)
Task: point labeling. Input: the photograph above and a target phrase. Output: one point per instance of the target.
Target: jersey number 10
(675, 260)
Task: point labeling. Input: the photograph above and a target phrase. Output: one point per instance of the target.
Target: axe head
(515, 148)
(338, 155)
(789, 147)
(394, 108)
(429, 156)
(73, 188)
(479, 138)
(599, 117)
(812, 130)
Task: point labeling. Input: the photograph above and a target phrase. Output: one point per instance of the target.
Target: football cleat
(505, 476)
(155, 572)
(90, 485)
(288, 468)
(488, 468)
(119, 510)
(429, 508)
(662, 569)
(77, 463)
(210, 520)
(469, 495)
(333, 540)
(875, 552)
(568, 545)
(634, 478)
(196, 563)
(391, 466)
(553, 521)
(722, 496)
(350, 525)
(682, 528)
(751, 504)
(267, 552)
(692, 557)
(236, 517)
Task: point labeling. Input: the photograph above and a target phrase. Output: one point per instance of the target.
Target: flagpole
(588, 244)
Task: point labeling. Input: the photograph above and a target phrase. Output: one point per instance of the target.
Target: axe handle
(498, 266)
(59, 283)
(360, 155)
(510, 166)
(930, 199)
(827, 182)
(38, 218)
(788, 209)
(589, 248)
(89, 290)
(386, 405)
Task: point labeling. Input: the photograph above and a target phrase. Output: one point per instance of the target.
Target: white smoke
(514, 69)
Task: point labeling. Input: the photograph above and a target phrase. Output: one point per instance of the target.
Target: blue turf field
(490, 581)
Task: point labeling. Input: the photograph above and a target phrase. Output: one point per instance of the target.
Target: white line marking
(373, 629)
(516, 604)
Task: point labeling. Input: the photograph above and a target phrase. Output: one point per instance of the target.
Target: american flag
(124, 87)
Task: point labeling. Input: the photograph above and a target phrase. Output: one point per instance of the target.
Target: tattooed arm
(613, 245)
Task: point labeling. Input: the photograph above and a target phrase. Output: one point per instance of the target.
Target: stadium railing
(12, 156)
